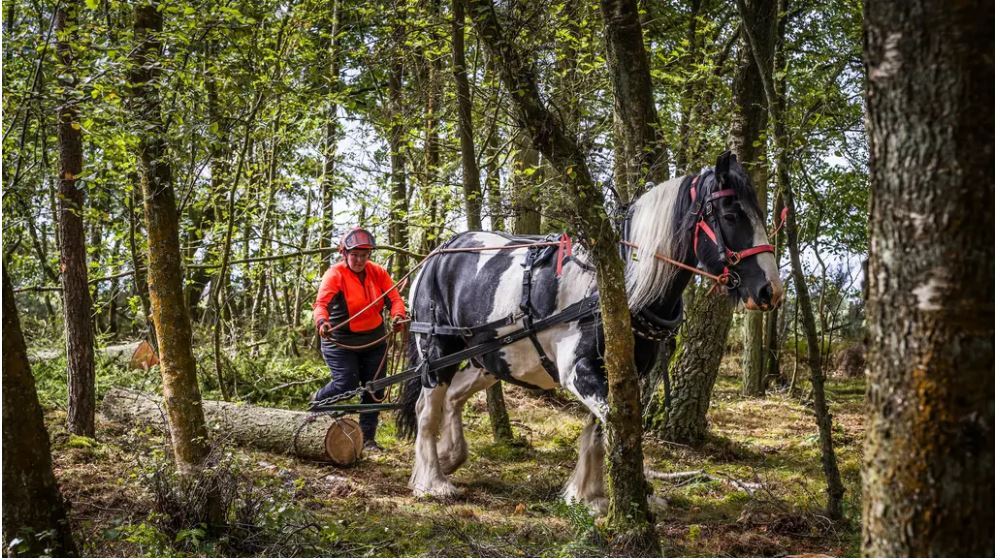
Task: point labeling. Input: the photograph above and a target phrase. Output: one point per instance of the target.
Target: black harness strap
(528, 312)
(576, 311)
(466, 332)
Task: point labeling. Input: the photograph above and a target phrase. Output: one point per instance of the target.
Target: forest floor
(762, 493)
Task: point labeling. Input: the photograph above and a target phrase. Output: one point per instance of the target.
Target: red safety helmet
(357, 238)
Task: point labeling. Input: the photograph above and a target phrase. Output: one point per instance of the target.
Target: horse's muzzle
(770, 296)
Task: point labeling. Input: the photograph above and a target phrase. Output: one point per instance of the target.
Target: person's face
(356, 259)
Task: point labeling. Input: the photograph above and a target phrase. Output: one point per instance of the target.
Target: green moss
(81, 442)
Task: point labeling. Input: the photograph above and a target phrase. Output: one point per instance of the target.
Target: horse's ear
(722, 164)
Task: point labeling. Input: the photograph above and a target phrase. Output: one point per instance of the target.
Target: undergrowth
(762, 493)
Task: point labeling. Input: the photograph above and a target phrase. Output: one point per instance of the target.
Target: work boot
(372, 446)
(313, 401)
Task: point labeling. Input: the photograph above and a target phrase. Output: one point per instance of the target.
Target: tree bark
(332, 135)
(189, 435)
(268, 429)
(749, 141)
(33, 507)
(629, 518)
(694, 370)
(398, 205)
(78, 310)
(628, 63)
(526, 179)
(472, 188)
(928, 467)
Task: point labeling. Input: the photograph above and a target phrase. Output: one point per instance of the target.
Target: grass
(764, 496)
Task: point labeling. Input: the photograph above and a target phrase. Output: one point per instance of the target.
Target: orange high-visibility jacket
(341, 295)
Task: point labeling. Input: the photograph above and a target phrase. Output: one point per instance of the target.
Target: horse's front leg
(452, 449)
(585, 379)
(586, 484)
(427, 478)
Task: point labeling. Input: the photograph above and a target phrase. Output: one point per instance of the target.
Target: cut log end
(343, 442)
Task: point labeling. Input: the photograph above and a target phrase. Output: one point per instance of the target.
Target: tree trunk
(494, 196)
(628, 63)
(471, 187)
(139, 261)
(824, 421)
(693, 371)
(470, 169)
(268, 429)
(77, 306)
(834, 488)
(33, 507)
(398, 205)
(928, 469)
(332, 135)
(629, 518)
(527, 175)
(189, 435)
(429, 197)
(749, 141)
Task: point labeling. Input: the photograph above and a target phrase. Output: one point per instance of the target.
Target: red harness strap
(732, 257)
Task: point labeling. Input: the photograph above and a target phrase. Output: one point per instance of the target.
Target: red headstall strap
(729, 279)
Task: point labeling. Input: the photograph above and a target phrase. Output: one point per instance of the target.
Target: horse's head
(730, 236)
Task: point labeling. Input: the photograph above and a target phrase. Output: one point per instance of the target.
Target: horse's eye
(729, 217)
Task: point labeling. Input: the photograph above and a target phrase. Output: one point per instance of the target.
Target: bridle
(706, 211)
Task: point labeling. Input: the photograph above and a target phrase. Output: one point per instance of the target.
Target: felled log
(136, 355)
(320, 438)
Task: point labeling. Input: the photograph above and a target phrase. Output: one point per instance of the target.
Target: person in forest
(351, 328)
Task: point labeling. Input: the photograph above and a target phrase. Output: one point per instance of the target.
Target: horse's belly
(523, 364)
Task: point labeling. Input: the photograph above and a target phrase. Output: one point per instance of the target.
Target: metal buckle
(733, 258)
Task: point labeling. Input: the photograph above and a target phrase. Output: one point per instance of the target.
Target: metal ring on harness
(730, 279)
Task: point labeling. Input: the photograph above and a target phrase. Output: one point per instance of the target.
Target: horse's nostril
(764, 294)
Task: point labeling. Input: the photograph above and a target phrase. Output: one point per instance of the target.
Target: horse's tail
(406, 416)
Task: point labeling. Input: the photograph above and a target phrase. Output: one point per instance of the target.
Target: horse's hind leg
(452, 449)
(427, 478)
(586, 485)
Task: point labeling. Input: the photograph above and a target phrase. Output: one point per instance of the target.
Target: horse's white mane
(652, 229)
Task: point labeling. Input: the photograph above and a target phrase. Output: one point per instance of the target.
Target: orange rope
(678, 264)
(439, 251)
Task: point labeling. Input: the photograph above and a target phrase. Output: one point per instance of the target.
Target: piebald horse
(711, 219)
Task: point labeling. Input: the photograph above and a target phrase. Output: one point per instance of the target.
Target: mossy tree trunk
(77, 307)
(694, 370)
(629, 518)
(645, 156)
(189, 436)
(33, 507)
(928, 470)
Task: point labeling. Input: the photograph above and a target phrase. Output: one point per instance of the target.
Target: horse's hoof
(441, 489)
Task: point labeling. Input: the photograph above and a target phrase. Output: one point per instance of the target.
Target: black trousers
(350, 369)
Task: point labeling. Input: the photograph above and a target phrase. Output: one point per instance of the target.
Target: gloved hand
(398, 322)
(325, 329)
